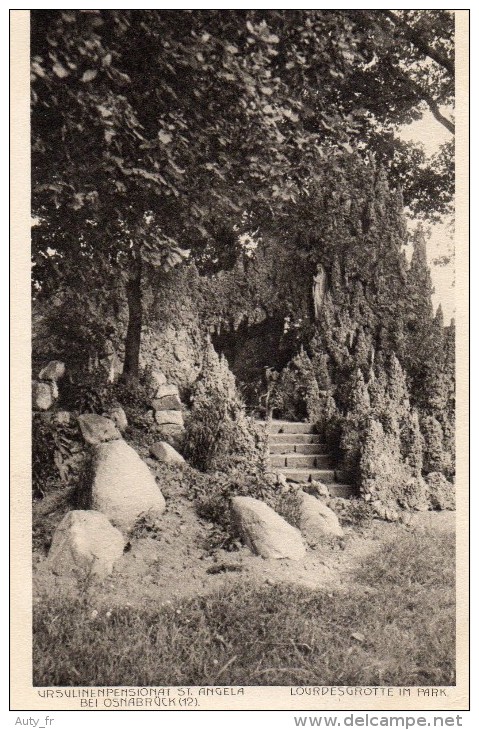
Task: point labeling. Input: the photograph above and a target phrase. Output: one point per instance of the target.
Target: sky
(432, 134)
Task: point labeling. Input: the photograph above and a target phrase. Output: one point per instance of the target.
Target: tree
(183, 133)
(407, 66)
(158, 132)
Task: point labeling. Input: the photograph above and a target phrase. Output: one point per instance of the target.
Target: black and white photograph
(243, 355)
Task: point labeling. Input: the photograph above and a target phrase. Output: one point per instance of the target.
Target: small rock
(43, 395)
(167, 403)
(118, 416)
(320, 489)
(173, 435)
(166, 390)
(85, 540)
(159, 379)
(358, 636)
(281, 480)
(55, 370)
(167, 418)
(97, 429)
(63, 418)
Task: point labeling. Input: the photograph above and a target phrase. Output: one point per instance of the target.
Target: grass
(393, 626)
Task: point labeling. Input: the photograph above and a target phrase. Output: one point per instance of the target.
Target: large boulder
(167, 454)
(167, 418)
(85, 541)
(97, 429)
(316, 521)
(123, 486)
(44, 395)
(264, 531)
(55, 370)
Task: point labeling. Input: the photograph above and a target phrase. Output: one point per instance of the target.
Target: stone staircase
(297, 452)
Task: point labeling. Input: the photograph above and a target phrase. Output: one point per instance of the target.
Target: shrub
(383, 473)
(212, 495)
(219, 434)
(88, 392)
(288, 505)
(414, 495)
(57, 454)
(295, 393)
(441, 493)
(436, 458)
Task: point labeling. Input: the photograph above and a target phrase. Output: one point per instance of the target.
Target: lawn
(392, 624)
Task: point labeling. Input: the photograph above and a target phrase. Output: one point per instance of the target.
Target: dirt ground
(177, 563)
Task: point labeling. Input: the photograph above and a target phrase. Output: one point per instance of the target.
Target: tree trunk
(131, 367)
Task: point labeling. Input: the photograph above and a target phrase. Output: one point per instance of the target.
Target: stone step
(290, 427)
(294, 438)
(346, 491)
(298, 461)
(289, 448)
(327, 476)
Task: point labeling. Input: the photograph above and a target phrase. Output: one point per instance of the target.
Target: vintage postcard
(240, 359)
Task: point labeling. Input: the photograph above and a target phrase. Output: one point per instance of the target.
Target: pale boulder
(123, 486)
(63, 418)
(264, 531)
(97, 429)
(85, 541)
(316, 521)
(167, 454)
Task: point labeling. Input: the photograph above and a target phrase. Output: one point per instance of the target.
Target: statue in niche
(319, 289)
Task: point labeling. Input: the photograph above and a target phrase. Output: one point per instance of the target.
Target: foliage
(353, 513)
(57, 454)
(212, 495)
(436, 458)
(295, 395)
(219, 434)
(441, 492)
(288, 505)
(90, 392)
(383, 474)
(219, 126)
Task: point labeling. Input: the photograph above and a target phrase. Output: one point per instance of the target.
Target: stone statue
(319, 289)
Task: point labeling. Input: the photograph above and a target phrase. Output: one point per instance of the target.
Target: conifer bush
(219, 434)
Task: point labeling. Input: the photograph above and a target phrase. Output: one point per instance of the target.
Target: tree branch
(437, 114)
(418, 40)
(425, 96)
